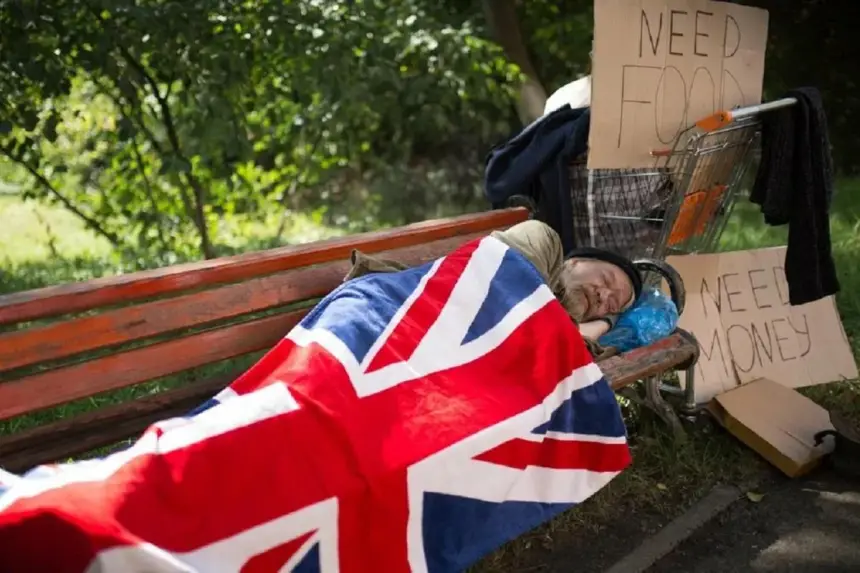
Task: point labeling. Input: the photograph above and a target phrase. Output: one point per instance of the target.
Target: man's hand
(593, 329)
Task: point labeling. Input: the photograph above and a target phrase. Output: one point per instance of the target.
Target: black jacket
(535, 163)
(794, 185)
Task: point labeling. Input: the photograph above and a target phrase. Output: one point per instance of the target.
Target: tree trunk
(505, 27)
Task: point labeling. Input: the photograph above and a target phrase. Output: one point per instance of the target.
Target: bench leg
(655, 402)
(690, 408)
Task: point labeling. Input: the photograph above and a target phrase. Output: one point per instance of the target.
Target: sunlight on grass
(43, 245)
(28, 228)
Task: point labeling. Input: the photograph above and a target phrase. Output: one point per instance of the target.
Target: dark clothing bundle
(535, 164)
(794, 185)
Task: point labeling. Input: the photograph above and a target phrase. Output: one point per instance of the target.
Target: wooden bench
(178, 325)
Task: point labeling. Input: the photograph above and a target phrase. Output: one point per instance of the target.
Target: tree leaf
(172, 165)
(49, 129)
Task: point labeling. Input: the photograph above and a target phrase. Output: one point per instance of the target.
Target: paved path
(801, 526)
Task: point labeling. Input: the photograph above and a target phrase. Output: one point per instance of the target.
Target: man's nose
(605, 297)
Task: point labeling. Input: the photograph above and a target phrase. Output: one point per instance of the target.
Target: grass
(33, 234)
(666, 476)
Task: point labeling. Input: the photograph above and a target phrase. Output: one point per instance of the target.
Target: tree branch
(52, 238)
(149, 193)
(504, 24)
(125, 108)
(43, 181)
(198, 214)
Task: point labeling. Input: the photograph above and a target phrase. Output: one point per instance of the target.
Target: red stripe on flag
(275, 558)
(57, 536)
(376, 522)
(424, 311)
(560, 454)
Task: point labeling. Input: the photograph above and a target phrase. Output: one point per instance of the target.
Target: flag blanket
(413, 421)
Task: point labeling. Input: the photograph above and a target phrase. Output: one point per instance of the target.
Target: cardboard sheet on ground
(737, 307)
(661, 65)
(777, 422)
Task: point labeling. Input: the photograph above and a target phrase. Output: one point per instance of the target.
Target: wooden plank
(60, 440)
(77, 297)
(70, 337)
(662, 356)
(62, 385)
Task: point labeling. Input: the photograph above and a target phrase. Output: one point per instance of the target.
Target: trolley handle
(722, 119)
(670, 275)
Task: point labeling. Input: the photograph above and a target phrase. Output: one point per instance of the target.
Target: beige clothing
(541, 245)
(535, 240)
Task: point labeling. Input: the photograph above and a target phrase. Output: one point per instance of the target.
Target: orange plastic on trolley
(716, 121)
(697, 210)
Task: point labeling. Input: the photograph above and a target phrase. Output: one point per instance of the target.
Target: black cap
(619, 261)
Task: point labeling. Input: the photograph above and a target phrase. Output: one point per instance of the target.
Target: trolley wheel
(669, 274)
(523, 201)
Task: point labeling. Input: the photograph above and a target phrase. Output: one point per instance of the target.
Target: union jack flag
(413, 421)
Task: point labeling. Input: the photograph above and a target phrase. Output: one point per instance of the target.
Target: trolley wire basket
(682, 203)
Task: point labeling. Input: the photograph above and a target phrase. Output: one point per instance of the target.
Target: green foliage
(812, 43)
(161, 123)
(152, 121)
(559, 36)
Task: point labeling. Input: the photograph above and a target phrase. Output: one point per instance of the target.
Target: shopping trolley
(680, 205)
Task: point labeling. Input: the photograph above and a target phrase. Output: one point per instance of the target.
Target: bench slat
(672, 352)
(114, 327)
(116, 371)
(77, 297)
(107, 425)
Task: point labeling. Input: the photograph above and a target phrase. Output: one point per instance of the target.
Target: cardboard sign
(737, 307)
(661, 65)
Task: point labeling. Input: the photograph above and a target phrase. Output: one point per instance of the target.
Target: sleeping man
(593, 285)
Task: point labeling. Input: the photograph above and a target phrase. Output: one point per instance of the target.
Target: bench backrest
(157, 340)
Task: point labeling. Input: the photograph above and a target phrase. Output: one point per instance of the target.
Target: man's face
(596, 288)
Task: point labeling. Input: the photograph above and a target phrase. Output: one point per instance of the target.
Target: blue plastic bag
(652, 317)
